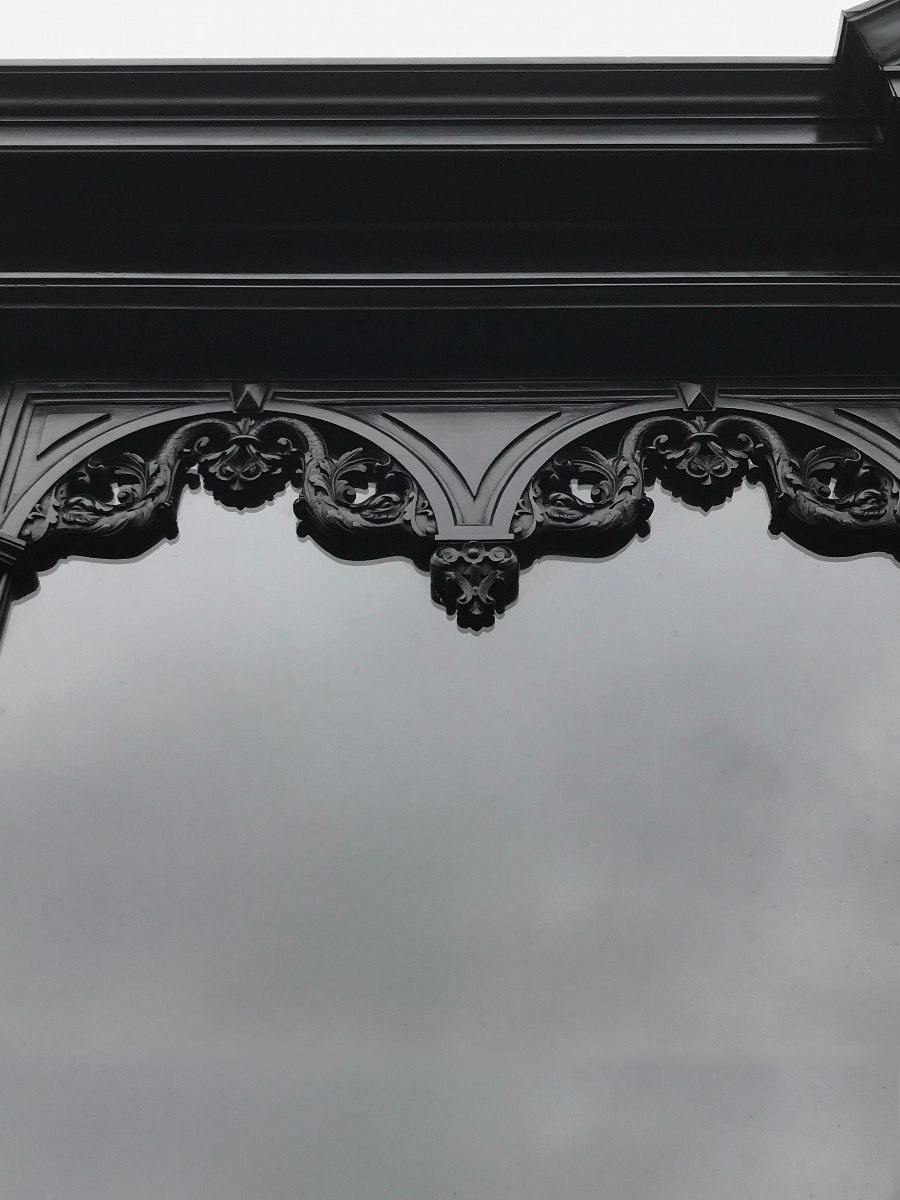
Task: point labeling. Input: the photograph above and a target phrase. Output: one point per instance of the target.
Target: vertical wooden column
(17, 576)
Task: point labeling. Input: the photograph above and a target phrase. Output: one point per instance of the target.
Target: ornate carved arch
(474, 492)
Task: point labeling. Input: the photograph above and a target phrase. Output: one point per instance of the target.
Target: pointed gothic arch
(574, 483)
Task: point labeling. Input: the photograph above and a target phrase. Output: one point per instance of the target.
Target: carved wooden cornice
(461, 284)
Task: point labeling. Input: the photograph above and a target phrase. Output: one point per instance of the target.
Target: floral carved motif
(830, 499)
(361, 491)
(474, 581)
(590, 499)
(120, 503)
(248, 462)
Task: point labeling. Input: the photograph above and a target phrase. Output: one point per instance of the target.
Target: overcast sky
(423, 28)
(308, 895)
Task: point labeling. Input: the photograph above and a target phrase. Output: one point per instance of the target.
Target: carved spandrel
(52, 426)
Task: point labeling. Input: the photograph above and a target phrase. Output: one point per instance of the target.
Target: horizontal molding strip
(456, 290)
(403, 105)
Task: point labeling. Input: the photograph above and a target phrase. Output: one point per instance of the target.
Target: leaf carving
(831, 499)
(120, 503)
(363, 504)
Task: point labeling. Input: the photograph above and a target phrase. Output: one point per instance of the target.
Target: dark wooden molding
(453, 305)
(438, 220)
(868, 57)
(345, 106)
(17, 574)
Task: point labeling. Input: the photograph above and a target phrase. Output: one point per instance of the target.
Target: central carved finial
(474, 581)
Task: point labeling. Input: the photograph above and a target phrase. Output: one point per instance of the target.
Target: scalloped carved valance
(470, 485)
(427, 222)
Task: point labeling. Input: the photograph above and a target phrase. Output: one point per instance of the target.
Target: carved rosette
(588, 499)
(246, 462)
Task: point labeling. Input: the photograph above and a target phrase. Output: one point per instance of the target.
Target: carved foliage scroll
(121, 503)
(590, 499)
(829, 498)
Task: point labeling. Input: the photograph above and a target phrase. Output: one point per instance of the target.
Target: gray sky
(402, 28)
(307, 896)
